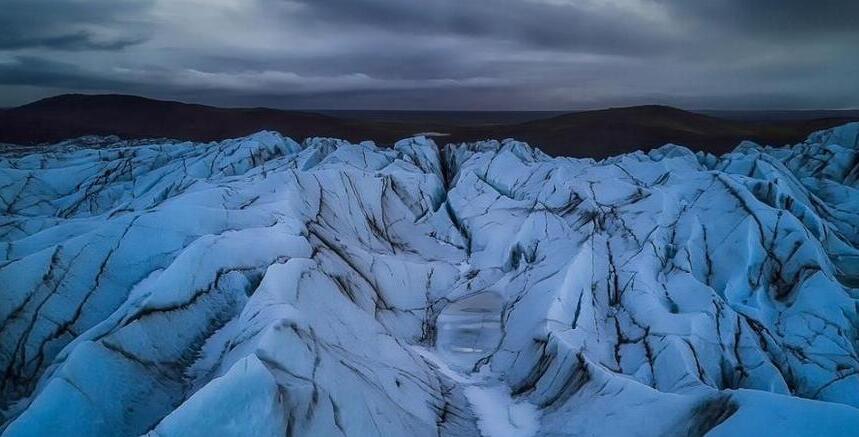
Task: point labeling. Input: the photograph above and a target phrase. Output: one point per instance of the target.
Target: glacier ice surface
(258, 286)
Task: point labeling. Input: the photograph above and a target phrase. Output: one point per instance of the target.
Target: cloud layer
(444, 54)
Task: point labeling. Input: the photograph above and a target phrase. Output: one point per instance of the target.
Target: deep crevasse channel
(468, 330)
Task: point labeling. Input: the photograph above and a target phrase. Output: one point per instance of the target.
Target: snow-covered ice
(498, 415)
(258, 286)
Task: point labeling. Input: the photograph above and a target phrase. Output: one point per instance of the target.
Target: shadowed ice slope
(258, 286)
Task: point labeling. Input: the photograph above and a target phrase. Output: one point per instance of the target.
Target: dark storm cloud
(574, 26)
(777, 18)
(34, 71)
(27, 70)
(471, 54)
(71, 25)
(79, 40)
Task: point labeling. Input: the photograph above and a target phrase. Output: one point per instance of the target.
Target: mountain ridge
(595, 133)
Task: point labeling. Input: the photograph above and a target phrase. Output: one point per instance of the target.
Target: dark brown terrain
(595, 134)
(619, 130)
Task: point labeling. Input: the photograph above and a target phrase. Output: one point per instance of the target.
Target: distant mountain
(782, 115)
(448, 118)
(619, 130)
(72, 115)
(596, 134)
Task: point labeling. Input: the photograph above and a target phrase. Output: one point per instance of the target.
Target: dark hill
(596, 134)
(73, 115)
(618, 130)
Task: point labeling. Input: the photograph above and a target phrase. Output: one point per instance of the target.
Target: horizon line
(310, 109)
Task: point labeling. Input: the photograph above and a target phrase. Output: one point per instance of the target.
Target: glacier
(258, 286)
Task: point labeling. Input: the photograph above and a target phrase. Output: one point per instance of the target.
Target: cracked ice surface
(258, 286)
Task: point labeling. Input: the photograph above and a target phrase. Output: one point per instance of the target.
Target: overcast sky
(437, 54)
